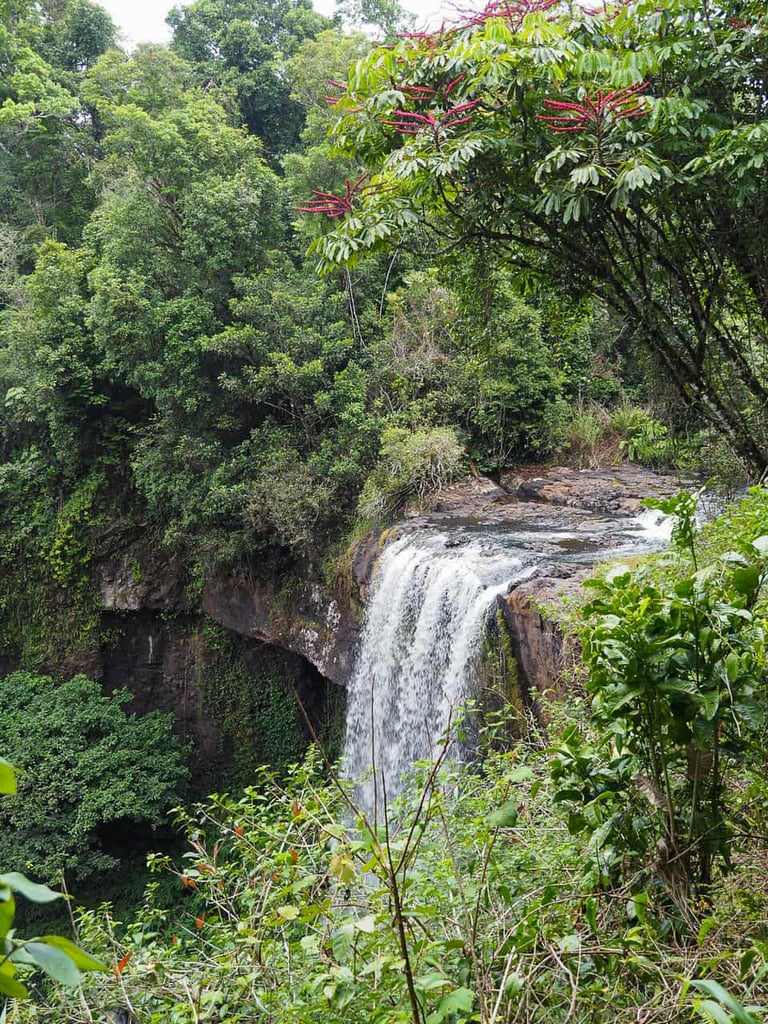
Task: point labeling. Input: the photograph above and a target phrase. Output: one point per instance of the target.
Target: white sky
(143, 21)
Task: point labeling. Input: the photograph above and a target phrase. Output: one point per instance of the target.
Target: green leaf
(79, 957)
(737, 1013)
(287, 913)
(342, 867)
(506, 815)
(746, 581)
(9, 986)
(7, 911)
(7, 777)
(54, 962)
(590, 912)
(32, 890)
(704, 929)
(457, 1002)
(712, 1012)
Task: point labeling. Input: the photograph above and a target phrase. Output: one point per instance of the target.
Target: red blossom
(332, 205)
(512, 11)
(122, 963)
(575, 117)
(332, 100)
(410, 122)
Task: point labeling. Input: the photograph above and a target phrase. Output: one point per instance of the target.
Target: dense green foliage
(90, 776)
(173, 374)
(60, 958)
(613, 874)
(677, 669)
(618, 151)
(170, 362)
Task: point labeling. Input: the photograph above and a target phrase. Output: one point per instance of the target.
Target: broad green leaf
(506, 815)
(458, 1001)
(712, 1012)
(342, 867)
(79, 957)
(738, 1015)
(7, 911)
(288, 913)
(7, 777)
(54, 962)
(32, 890)
(9, 986)
(746, 581)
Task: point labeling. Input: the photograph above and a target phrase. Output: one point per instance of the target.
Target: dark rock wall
(234, 699)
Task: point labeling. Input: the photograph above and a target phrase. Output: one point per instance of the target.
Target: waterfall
(430, 599)
(420, 646)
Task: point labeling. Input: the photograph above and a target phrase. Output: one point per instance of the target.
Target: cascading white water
(430, 599)
(420, 646)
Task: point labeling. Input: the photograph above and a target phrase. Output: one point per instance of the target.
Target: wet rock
(533, 611)
(135, 581)
(307, 620)
(618, 489)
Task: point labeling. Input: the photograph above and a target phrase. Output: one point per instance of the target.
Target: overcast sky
(144, 20)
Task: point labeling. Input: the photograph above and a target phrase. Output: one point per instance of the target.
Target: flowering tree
(621, 151)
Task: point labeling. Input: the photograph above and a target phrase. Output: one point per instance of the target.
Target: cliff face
(542, 652)
(308, 620)
(230, 672)
(230, 666)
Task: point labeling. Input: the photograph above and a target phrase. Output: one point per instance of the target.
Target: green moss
(251, 693)
(501, 689)
(49, 600)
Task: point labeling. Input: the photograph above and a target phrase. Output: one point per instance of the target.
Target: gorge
(229, 669)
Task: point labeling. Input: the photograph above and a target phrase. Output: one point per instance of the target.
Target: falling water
(433, 592)
(419, 651)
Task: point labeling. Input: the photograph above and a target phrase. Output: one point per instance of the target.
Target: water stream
(433, 591)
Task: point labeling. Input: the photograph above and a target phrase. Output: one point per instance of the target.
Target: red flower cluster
(409, 122)
(512, 11)
(428, 39)
(333, 100)
(423, 93)
(575, 117)
(332, 205)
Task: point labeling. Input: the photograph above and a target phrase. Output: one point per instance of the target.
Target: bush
(642, 438)
(413, 466)
(86, 769)
(585, 434)
(676, 662)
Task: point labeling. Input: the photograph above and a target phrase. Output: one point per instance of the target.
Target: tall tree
(620, 151)
(243, 46)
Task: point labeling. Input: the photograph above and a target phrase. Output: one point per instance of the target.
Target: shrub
(677, 671)
(642, 438)
(584, 436)
(413, 466)
(86, 769)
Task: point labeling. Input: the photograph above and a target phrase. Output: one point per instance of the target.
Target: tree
(61, 959)
(243, 47)
(86, 769)
(619, 152)
(46, 137)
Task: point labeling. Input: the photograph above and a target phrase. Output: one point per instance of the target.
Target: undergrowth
(470, 895)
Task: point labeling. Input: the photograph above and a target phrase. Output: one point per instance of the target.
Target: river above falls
(434, 586)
